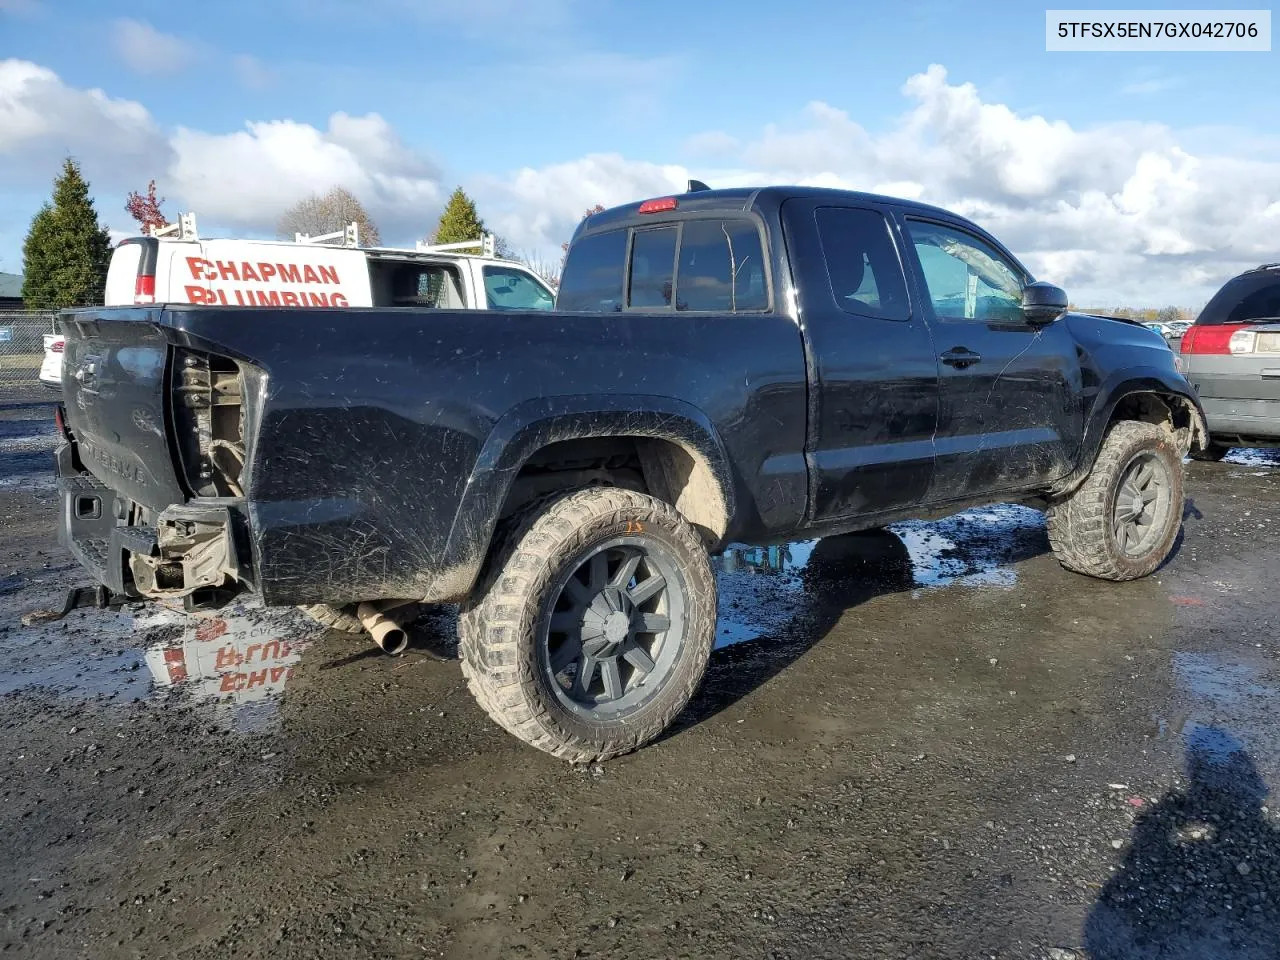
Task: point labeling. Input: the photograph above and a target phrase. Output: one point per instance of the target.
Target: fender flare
(528, 427)
(1121, 384)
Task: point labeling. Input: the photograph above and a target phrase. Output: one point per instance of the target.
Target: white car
(51, 368)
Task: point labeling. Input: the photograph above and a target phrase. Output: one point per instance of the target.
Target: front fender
(530, 426)
(1128, 383)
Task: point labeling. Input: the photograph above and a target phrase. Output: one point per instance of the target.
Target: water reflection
(240, 657)
(1254, 457)
(234, 663)
(762, 588)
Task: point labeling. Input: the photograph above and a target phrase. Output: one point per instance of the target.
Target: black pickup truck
(723, 366)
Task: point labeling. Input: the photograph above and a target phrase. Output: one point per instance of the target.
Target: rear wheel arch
(679, 459)
(675, 471)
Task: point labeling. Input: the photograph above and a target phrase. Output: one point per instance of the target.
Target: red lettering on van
(227, 270)
(309, 274)
(289, 299)
(267, 298)
(201, 269)
(318, 299)
(268, 270)
(338, 300)
(289, 272)
(247, 272)
(329, 275)
(196, 294)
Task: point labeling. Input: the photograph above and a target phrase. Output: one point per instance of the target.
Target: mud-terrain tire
(592, 625)
(1213, 453)
(343, 619)
(1133, 493)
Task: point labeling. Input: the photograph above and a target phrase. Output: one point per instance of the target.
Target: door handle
(961, 357)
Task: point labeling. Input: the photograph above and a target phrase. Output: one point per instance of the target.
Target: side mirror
(1043, 303)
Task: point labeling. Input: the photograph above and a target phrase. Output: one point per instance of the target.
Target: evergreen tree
(460, 222)
(67, 251)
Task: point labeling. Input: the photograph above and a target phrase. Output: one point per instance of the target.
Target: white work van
(175, 265)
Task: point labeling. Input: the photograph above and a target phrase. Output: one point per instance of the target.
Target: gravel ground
(930, 742)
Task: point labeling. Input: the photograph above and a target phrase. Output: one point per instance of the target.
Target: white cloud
(148, 51)
(42, 120)
(537, 209)
(1119, 212)
(243, 180)
(248, 178)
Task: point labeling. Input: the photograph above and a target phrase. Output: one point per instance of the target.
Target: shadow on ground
(840, 574)
(1202, 876)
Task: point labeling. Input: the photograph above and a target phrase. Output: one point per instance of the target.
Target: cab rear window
(690, 266)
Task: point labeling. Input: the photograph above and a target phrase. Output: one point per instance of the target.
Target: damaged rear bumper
(186, 551)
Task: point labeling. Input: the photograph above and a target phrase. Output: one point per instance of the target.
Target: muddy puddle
(1253, 457)
(236, 662)
(763, 589)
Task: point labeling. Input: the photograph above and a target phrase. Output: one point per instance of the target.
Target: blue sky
(513, 99)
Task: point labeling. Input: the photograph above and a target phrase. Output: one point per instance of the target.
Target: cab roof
(744, 199)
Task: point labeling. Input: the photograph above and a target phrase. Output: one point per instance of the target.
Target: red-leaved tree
(145, 208)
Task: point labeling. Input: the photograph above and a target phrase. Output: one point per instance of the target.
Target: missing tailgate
(208, 414)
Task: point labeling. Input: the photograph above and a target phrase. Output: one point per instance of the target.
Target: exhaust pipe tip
(386, 633)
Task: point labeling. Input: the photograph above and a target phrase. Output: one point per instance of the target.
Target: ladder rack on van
(349, 236)
(487, 243)
(184, 229)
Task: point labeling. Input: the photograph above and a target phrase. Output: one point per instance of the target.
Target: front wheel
(593, 625)
(1122, 522)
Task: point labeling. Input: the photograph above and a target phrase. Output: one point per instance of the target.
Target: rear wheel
(1122, 522)
(593, 626)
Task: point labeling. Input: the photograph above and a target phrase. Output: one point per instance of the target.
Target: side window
(653, 262)
(862, 263)
(721, 267)
(1262, 304)
(593, 274)
(408, 284)
(506, 288)
(967, 278)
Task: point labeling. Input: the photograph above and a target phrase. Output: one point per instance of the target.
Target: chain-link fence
(22, 336)
(22, 344)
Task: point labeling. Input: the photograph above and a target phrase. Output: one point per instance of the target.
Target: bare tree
(328, 213)
(547, 269)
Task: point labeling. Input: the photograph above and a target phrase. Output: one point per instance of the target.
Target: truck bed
(367, 452)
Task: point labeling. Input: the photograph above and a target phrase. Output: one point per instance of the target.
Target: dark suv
(1231, 355)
